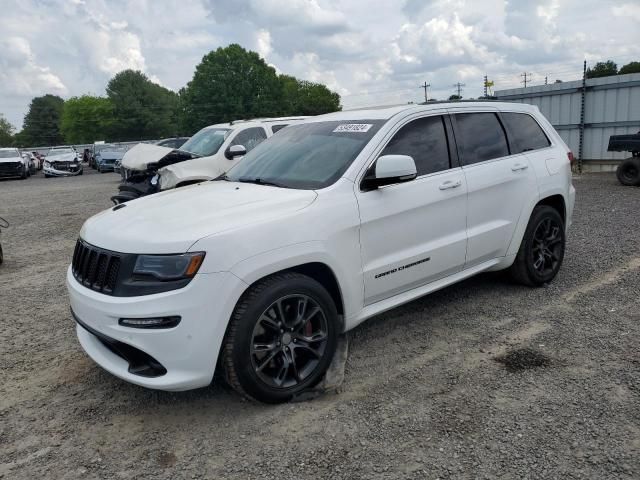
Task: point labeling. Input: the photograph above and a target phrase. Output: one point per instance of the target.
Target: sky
(371, 52)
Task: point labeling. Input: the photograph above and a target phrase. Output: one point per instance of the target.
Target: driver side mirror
(235, 151)
(389, 169)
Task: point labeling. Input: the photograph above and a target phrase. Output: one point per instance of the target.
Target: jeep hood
(172, 221)
(144, 155)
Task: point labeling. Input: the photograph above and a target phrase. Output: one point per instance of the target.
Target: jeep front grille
(95, 268)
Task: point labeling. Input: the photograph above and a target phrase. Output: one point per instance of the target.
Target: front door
(414, 233)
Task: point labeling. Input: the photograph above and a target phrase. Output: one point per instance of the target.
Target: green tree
(603, 69)
(42, 122)
(631, 67)
(455, 97)
(86, 119)
(6, 132)
(301, 97)
(231, 83)
(141, 109)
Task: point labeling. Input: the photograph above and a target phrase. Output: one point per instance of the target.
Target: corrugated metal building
(611, 107)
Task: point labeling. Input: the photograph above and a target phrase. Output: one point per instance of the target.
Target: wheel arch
(317, 270)
(557, 202)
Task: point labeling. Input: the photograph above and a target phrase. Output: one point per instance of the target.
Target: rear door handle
(519, 166)
(450, 184)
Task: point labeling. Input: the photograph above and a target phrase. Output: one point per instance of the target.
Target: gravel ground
(484, 379)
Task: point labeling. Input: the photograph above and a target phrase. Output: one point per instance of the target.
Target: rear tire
(281, 338)
(542, 249)
(628, 172)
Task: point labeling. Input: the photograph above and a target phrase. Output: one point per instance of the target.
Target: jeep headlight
(168, 267)
(47, 164)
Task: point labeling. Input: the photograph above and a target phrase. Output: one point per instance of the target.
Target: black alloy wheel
(542, 248)
(547, 246)
(281, 338)
(288, 341)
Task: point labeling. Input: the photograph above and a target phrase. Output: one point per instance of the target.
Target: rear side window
(425, 140)
(525, 133)
(277, 128)
(480, 137)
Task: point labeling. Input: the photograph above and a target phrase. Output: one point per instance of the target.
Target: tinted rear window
(525, 133)
(480, 137)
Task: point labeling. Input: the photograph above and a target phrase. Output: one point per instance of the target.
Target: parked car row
(319, 227)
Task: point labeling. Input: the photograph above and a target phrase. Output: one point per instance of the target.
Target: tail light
(572, 159)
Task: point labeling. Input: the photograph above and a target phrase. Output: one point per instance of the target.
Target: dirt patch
(523, 359)
(167, 459)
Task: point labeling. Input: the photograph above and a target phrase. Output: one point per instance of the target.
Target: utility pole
(425, 86)
(524, 75)
(459, 86)
(545, 80)
(485, 86)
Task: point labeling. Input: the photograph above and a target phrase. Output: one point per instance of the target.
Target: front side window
(277, 128)
(480, 137)
(250, 138)
(524, 132)
(206, 142)
(425, 140)
(308, 155)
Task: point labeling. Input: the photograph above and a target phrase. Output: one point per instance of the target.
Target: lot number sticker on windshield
(353, 127)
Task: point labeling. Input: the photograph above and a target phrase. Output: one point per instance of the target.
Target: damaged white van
(319, 228)
(148, 169)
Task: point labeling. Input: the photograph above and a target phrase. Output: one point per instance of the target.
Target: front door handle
(519, 166)
(450, 184)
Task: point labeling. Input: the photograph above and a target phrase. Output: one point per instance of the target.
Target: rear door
(499, 183)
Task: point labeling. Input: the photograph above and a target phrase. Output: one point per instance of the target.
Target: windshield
(60, 151)
(9, 153)
(206, 142)
(306, 156)
(103, 147)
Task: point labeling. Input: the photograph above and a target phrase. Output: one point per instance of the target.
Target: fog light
(155, 322)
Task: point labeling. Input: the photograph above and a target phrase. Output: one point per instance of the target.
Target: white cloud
(627, 10)
(374, 52)
(21, 75)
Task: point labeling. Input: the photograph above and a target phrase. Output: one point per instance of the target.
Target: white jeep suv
(319, 228)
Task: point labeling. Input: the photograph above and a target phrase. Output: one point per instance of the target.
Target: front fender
(267, 263)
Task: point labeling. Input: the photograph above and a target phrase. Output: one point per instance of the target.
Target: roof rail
(436, 102)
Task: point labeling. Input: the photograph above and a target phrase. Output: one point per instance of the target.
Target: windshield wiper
(260, 181)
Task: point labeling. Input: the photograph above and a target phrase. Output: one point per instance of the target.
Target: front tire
(628, 172)
(542, 249)
(281, 338)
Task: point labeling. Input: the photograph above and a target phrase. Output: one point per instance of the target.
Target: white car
(62, 162)
(147, 169)
(319, 228)
(13, 164)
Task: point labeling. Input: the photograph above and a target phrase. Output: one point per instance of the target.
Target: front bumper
(188, 351)
(61, 173)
